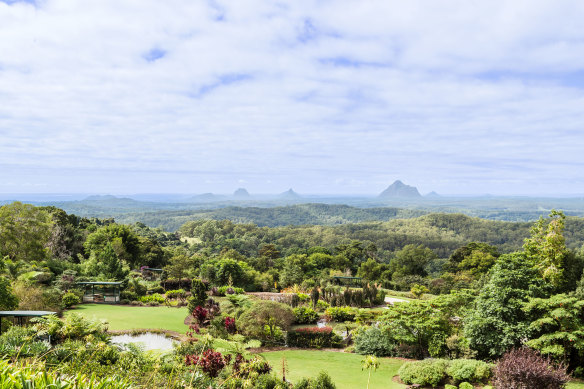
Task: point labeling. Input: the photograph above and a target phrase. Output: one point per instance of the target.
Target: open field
(344, 368)
(123, 317)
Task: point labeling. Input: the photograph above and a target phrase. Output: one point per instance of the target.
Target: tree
(264, 319)
(8, 301)
(24, 232)
(179, 266)
(291, 275)
(546, 247)
(411, 260)
(371, 270)
(124, 241)
(558, 327)
(112, 266)
(418, 325)
(229, 271)
(498, 322)
(475, 257)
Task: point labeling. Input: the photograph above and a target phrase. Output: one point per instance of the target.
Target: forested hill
(300, 214)
(443, 233)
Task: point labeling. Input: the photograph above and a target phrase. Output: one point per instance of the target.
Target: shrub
(156, 289)
(427, 372)
(229, 323)
(198, 292)
(526, 368)
(303, 297)
(264, 315)
(314, 295)
(465, 385)
(73, 326)
(211, 362)
(373, 341)
(313, 337)
(323, 381)
(379, 298)
(19, 341)
(226, 289)
(321, 305)
(469, 370)
(305, 315)
(340, 314)
(448, 386)
(487, 387)
(418, 290)
(173, 284)
(24, 377)
(129, 295)
(200, 314)
(152, 297)
(175, 294)
(69, 299)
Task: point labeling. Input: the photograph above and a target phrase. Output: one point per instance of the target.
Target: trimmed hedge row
(314, 337)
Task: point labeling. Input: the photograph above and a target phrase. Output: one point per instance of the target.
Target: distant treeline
(310, 214)
(301, 214)
(443, 233)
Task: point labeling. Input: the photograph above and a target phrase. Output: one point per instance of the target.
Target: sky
(326, 97)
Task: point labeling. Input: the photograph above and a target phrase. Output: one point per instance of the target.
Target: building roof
(100, 283)
(26, 313)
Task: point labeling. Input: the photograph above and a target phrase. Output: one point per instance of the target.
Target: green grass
(344, 368)
(122, 317)
(575, 385)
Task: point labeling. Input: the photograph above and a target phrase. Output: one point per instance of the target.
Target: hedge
(314, 337)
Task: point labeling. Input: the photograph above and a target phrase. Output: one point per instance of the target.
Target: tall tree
(498, 322)
(24, 232)
(113, 268)
(546, 247)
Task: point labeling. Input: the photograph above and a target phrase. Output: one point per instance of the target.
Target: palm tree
(370, 363)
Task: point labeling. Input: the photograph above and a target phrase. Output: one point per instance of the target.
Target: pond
(148, 340)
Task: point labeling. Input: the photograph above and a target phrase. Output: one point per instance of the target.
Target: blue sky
(327, 97)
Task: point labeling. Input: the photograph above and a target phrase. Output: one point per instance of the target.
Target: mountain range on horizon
(400, 190)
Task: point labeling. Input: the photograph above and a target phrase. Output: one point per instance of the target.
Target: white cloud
(308, 94)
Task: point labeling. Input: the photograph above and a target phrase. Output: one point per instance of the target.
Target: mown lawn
(121, 317)
(344, 368)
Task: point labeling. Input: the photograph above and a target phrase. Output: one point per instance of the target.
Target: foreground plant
(526, 368)
(369, 363)
(30, 377)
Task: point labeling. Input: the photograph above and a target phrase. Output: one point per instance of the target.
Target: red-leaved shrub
(200, 314)
(525, 368)
(230, 325)
(211, 362)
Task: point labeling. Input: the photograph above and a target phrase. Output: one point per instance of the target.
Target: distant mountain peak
(100, 198)
(206, 197)
(241, 193)
(400, 190)
(290, 194)
(433, 194)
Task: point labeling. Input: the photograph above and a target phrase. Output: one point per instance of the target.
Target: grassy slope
(344, 369)
(123, 317)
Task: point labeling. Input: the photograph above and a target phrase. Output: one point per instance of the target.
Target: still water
(148, 340)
